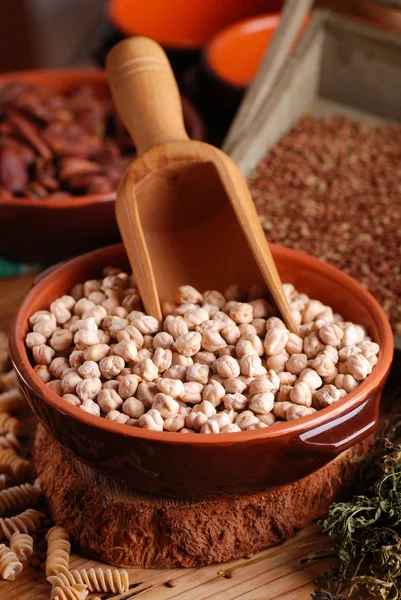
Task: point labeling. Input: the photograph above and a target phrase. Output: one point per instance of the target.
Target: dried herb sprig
(367, 531)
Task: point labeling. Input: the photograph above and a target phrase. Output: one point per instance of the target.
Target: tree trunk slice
(120, 527)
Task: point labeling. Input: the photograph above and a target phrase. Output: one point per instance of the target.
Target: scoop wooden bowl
(202, 465)
(51, 230)
(183, 208)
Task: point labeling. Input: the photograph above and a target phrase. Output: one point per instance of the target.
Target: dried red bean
(13, 172)
(331, 187)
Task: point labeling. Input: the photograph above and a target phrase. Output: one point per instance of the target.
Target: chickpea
(89, 369)
(146, 324)
(61, 340)
(96, 352)
(323, 365)
(205, 358)
(359, 367)
(227, 366)
(211, 309)
(235, 401)
(72, 399)
(327, 395)
(214, 298)
(246, 419)
(151, 420)
(76, 358)
(262, 403)
(192, 392)
(210, 427)
(301, 394)
(90, 407)
(294, 344)
(196, 317)
(213, 392)
(260, 327)
(146, 392)
(231, 334)
(163, 340)
(224, 318)
(205, 407)
(55, 386)
(162, 359)
(84, 338)
(268, 419)
(45, 327)
(188, 294)
(128, 385)
(284, 393)
(232, 385)
(311, 378)
(297, 412)
(171, 387)
(189, 344)
(231, 428)
(176, 372)
(275, 340)
(311, 310)
(34, 339)
(296, 363)
(88, 389)
(148, 370)
(250, 366)
(180, 359)
(166, 405)
(260, 308)
(108, 400)
(345, 382)
(132, 334)
(222, 419)
(280, 409)
(312, 345)
(331, 334)
(195, 420)
(43, 354)
(43, 372)
(175, 423)
(287, 378)
(58, 366)
(275, 322)
(111, 366)
(198, 373)
(241, 312)
(117, 417)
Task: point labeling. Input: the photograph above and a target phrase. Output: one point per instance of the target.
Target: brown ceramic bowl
(204, 465)
(51, 230)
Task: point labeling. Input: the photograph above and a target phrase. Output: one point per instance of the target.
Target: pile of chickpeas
(218, 363)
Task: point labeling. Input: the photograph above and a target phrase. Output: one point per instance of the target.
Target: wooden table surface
(276, 573)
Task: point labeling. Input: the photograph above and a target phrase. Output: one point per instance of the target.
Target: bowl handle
(344, 431)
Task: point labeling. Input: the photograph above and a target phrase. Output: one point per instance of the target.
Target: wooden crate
(341, 66)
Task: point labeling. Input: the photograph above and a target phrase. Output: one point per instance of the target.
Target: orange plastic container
(186, 24)
(235, 53)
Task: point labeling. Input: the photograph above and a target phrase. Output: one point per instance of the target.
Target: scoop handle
(145, 93)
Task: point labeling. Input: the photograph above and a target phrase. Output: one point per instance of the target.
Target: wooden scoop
(183, 208)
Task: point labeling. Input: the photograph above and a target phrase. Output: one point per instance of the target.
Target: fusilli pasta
(9, 424)
(19, 497)
(97, 580)
(22, 545)
(10, 566)
(76, 592)
(19, 468)
(11, 400)
(27, 522)
(58, 550)
(9, 441)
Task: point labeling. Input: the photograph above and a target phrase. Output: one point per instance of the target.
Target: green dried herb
(366, 532)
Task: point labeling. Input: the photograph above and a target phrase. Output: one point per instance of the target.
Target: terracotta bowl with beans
(219, 398)
(62, 155)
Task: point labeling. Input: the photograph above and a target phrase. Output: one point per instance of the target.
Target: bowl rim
(22, 365)
(82, 75)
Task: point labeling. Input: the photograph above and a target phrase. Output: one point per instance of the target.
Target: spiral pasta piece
(76, 592)
(22, 545)
(3, 482)
(9, 424)
(9, 441)
(96, 580)
(19, 497)
(11, 400)
(19, 468)
(27, 522)
(10, 566)
(58, 551)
